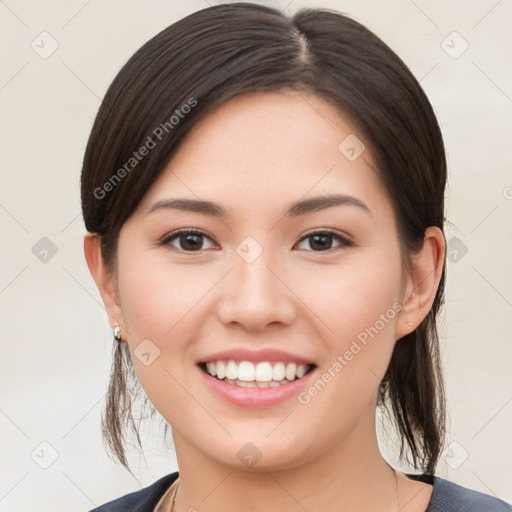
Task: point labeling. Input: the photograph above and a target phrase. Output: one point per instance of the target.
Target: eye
(321, 241)
(187, 240)
(194, 240)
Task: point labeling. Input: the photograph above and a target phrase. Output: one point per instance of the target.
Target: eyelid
(342, 238)
(166, 239)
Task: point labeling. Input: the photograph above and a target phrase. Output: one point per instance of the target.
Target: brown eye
(322, 241)
(188, 241)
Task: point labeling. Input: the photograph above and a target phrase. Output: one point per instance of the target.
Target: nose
(256, 297)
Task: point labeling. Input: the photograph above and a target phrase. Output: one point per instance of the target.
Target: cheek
(158, 295)
(163, 308)
(352, 298)
(157, 301)
(358, 307)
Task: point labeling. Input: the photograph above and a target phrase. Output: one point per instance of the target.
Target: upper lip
(255, 356)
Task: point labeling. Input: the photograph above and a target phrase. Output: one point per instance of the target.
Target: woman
(264, 200)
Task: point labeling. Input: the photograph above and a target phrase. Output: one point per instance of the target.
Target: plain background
(56, 342)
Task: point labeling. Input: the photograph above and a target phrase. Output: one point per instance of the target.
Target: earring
(117, 333)
(409, 324)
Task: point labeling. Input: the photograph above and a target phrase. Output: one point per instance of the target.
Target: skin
(254, 155)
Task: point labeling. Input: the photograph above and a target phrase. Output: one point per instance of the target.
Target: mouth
(262, 374)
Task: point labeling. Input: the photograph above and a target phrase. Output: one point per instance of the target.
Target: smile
(263, 374)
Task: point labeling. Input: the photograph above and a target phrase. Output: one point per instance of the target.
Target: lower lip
(255, 397)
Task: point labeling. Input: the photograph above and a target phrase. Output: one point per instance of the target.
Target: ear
(104, 281)
(421, 284)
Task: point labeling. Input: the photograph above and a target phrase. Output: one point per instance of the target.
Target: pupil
(191, 241)
(321, 241)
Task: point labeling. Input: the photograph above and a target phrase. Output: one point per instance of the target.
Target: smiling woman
(274, 265)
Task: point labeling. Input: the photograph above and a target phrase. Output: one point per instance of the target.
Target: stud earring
(409, 324)
(117, 333)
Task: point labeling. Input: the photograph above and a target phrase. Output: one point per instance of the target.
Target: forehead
(275, 128)
(265, 148)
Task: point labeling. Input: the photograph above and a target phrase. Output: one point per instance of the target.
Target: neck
(351, 475)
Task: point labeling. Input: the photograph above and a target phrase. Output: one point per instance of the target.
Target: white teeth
(301, 370)
(264, 372)
(220, 369)
(245, 384)
(278, 371)
(231, 370)
(246, 371)
(210, 367)
(291, 371)
(262, 375)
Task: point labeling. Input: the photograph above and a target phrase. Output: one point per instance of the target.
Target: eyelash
(166, 240)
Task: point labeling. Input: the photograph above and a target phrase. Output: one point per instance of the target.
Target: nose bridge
(252, 278)
(255, 295)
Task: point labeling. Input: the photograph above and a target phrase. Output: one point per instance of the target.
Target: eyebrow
(302, 207)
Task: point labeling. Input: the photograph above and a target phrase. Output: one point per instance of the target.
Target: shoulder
(450, 497)
(144, 500)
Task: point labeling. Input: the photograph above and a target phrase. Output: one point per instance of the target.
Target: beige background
(55, 337)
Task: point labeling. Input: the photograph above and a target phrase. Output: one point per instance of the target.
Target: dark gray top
(446, 497)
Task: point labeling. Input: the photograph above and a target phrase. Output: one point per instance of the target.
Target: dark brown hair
(226, 50)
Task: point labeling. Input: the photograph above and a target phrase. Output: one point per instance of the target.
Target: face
(268, 275)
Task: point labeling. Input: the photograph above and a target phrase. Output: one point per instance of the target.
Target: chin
(259, 455)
